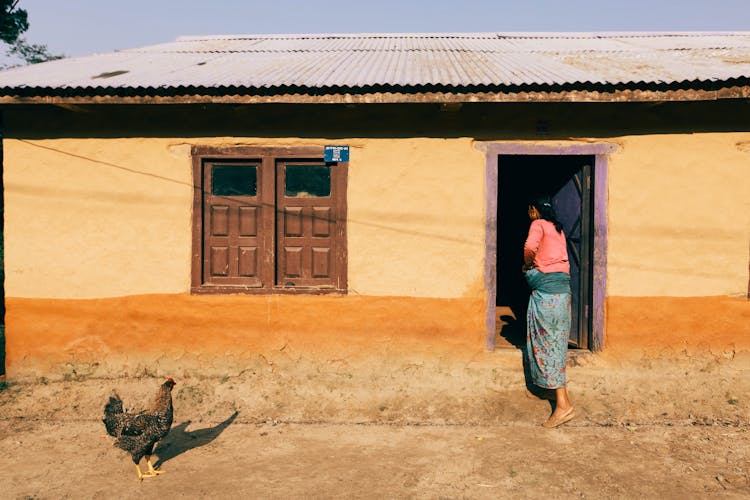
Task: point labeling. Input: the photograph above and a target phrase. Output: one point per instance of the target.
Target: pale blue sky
(80, 27)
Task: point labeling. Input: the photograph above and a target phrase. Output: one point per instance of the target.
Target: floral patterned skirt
(548, 330)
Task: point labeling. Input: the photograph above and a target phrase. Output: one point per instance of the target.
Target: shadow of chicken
(138, 433)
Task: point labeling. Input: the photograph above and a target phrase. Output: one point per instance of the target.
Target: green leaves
(13, 23)
(32, 53)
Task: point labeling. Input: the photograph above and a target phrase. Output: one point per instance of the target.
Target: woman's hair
(546, 210)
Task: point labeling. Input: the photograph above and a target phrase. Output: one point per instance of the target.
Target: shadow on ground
(179, 440)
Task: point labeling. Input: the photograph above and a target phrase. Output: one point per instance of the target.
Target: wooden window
(268, 220)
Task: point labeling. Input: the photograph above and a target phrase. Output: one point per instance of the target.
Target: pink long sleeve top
(546, 248)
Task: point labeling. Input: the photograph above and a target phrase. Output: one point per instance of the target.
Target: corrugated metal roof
(395, 62)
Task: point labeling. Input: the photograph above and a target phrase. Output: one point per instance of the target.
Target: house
(216, 198)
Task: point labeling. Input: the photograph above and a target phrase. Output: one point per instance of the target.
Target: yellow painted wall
(90, 218)
(679, 215)
(416, 218)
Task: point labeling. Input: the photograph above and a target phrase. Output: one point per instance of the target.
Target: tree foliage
(32, 53)
(13, 23)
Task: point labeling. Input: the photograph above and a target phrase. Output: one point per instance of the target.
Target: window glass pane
(306, 181)
(233, 180)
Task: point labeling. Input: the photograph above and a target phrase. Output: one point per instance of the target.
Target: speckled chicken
(138, 433)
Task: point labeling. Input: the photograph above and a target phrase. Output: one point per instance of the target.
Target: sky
(82, 27)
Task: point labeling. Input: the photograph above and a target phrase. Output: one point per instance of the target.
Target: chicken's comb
(170, 379)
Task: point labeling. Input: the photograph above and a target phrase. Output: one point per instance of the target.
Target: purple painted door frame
(601, 152)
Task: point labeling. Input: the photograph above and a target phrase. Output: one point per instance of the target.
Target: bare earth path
(70, 460)
(656, 429)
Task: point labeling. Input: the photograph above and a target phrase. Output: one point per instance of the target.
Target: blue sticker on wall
(335, 153)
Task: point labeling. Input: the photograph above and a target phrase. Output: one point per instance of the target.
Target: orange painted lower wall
(218, 335)
(658, 325)
(149, 334)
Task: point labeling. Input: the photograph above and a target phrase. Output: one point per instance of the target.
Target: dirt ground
(673, 426)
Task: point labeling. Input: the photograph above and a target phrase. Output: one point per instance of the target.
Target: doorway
(567, 180)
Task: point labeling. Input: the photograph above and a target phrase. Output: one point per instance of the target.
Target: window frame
(267, 156)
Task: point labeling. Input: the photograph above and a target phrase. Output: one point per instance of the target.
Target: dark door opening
(567, 179)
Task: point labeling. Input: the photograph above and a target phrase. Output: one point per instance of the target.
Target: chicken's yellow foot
(151, 470)
(149, 473)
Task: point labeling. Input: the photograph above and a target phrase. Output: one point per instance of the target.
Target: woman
(547, 271)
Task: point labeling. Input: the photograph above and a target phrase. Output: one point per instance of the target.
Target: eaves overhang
(738, 88)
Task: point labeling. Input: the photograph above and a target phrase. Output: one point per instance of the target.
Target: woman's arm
(532, 244)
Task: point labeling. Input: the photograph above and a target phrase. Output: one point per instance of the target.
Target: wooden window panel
(270, 242)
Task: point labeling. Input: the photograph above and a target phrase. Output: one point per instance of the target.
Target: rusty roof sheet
(394, 62)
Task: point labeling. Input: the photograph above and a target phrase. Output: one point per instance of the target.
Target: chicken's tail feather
(112, 410)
